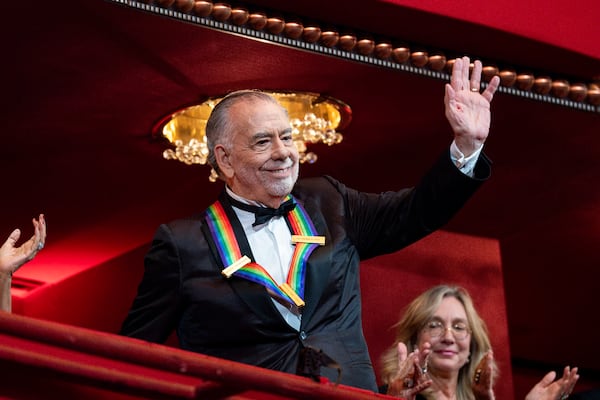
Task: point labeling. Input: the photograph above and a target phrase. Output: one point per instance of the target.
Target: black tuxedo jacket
(235, 319)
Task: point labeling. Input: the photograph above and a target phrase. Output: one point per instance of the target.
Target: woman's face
(449, 334)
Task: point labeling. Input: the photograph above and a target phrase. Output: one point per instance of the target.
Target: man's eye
(286, 138)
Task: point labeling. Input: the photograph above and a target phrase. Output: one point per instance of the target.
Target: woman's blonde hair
(418, 313)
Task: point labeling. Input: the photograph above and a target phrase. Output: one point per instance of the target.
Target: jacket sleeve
(386, 222)
(155, 310)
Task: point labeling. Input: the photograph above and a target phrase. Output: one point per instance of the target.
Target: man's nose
(280, 149)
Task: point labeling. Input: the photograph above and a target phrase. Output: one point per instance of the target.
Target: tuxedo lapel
(260, 304)
(319, 264)
(316, 274)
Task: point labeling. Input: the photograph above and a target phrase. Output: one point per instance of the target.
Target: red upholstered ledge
(66, 361)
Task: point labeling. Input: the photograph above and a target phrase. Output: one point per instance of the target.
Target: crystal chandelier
(314, 118)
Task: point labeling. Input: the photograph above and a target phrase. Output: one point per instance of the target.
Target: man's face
(262, 163)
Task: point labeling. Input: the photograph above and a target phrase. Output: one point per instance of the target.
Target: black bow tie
(264, 214)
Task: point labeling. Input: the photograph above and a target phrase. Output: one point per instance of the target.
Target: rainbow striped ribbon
(229, 251)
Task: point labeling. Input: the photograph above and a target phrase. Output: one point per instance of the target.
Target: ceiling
(85, 83)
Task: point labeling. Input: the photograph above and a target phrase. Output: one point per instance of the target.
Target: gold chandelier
(314, 118)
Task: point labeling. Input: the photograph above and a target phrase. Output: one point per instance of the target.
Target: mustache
(280, 164)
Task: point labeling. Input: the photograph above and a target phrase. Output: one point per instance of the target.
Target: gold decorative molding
(294, 33)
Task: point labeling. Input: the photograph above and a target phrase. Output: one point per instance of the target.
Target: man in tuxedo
(272, 267)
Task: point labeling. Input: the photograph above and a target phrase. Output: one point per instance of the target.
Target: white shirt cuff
(464, 164)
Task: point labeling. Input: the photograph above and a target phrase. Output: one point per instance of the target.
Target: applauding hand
(412, 373)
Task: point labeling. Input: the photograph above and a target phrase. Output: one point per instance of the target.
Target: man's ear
(223, 161)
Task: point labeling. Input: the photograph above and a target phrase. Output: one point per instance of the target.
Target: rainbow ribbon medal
(303, 235)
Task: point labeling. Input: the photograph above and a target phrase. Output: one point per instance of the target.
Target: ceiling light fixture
(314, 118)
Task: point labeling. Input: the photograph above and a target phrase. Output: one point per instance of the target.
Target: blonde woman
(442, 351)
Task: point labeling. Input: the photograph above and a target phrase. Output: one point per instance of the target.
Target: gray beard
(283, 188)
